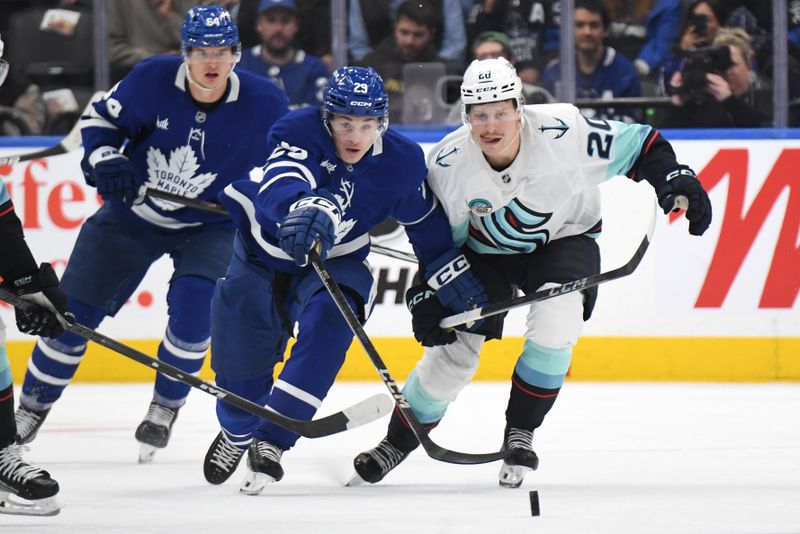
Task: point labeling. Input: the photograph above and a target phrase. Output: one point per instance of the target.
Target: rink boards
(722, 307)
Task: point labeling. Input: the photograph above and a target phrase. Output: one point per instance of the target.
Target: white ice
(615, 458)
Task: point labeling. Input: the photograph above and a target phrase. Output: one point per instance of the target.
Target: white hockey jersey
(550, 191)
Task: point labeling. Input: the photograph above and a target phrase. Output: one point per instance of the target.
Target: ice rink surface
(615, 458)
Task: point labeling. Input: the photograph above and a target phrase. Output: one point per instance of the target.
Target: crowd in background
(711, 58)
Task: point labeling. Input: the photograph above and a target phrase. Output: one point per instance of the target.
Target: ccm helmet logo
(486, 89)
(360, 103)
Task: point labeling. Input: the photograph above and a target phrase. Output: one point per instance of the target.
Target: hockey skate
(154, 431)
(24, 489)
(372, 465)
(520, 458)
(28, 423)
(264, 467)
(221, 459)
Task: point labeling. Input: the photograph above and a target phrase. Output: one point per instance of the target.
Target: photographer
(717, 87)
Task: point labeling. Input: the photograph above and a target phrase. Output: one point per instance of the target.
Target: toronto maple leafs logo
(348, 189)
(176, 175)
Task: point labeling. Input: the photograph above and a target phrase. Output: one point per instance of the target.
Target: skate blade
(18, 506)
(511, 476)
(254, 483)
(146, 453)
(356, 481)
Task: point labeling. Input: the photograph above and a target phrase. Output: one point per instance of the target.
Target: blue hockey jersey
(179, 146)
(302, 79)
(388, 181)
(615, 77)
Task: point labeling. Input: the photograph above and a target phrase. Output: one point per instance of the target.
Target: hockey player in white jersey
(33, 490)
(519, 185)
(188, 125)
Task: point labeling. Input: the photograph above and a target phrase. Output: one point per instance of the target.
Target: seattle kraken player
(519, 186)
(327, 181)
(33, 489)
(192, 126)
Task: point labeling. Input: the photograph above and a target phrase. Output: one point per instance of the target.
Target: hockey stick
(212, 207)
(72, 141)
(433, 450)
(361, 413)
(568, 287)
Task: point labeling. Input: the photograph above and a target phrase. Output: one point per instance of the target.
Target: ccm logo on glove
(449, 272)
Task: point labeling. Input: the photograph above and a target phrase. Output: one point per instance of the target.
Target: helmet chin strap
(201, 87)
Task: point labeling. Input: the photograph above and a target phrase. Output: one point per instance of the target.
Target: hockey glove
(40, 288)
(426, 312)
(683, 182)
(455, 285)
(113, 175)
(310, 219)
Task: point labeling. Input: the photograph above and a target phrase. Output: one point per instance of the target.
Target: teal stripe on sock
(427, 409)
(543, 367)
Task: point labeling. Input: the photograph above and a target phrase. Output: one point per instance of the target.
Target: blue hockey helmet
(209, 26)
(356, 91)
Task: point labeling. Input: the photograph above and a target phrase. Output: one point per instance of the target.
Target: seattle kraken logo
(513, 228)
(562, 128)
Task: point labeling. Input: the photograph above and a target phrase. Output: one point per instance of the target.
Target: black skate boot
(33, 490)
(221, 459)
(28, 423)
(264, 467)
(520, 459)
(372, 465)
(154, 431)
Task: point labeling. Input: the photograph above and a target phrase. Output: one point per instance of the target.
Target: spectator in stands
(491, 45)
(736, 97)
(369, 21)
(302, 76)
(138, 29)
(703, 20)
(411, 42)
(601, 73)
(532, 29)
(645, 30)
(314, 16)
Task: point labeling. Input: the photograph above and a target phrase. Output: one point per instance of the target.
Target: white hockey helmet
(491, 80)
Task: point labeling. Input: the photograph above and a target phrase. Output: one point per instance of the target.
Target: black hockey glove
(426, 312)
(683, 182)
(40, 288)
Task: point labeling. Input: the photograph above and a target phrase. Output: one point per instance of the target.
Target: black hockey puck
(534, 496)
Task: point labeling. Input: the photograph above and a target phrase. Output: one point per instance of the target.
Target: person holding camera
(717, 87)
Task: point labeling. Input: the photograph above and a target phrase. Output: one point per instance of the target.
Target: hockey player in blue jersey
(519, 185)
(33, 489)
(185, 125)
(329, 179)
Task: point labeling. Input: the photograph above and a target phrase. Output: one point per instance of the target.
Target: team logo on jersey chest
(176, 173)
(480, 206)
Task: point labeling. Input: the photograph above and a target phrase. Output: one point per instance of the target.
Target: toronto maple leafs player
(329, 179)
(34, 491)
(190, 126)
(519, 185)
